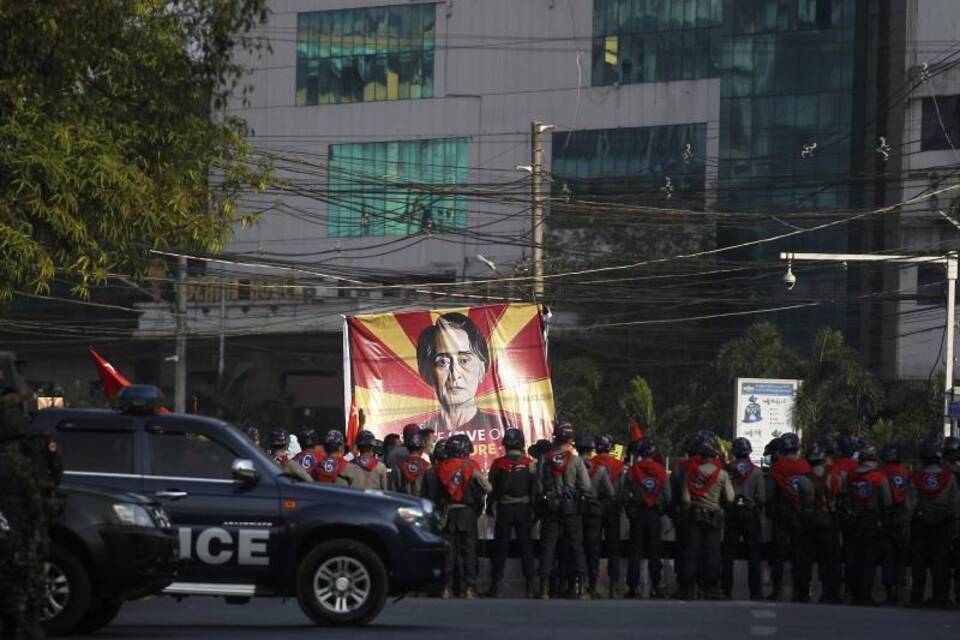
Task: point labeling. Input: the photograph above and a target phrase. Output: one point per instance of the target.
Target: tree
(113, 133)
(637, 400)
(576, 383)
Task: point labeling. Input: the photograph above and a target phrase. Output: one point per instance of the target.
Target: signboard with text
(764, 411)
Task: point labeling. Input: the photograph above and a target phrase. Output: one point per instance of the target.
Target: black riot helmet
(951, 448)
(646, 448)
(829, 444)
(603, 443)
(846, 446)
(279, 439)
(308, 438)
(868, 452)
(415, 443)
(253, 434)
(334, 441)
(932, 450)
(513, 440)
(541, 448)
(440, 450)
(741, 448)
(772, 451)
(564, 433)
(816, 453)
(789, 443)
(584, 443)
(891, 453)
(458, 446)
(366, 440)
(708, 447)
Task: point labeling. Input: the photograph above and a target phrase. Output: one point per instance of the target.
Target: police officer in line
(678, 514)
(602, 494)
(563, 482)
(791, 496)
(458, 487)
(279, 440)
(373, 471)
(743, 519)
(253, 434)
(869, 495)
(951, 459)
(611, 512)
(705, 490)
(645, 495)
(935, 494)
(822, 527)
(896, 524)
(335, 468)
(407, 475)
(513, 490)
(846, 463)
(310, 453)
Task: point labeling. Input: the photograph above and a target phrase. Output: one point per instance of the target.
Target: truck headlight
(133, 515)
(411, 515)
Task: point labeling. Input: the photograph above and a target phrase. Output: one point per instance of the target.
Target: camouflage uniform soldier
(30, 469)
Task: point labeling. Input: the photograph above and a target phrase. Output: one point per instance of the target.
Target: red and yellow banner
(476, 370)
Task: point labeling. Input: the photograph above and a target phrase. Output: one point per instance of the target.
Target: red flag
(635, 431)
(112, 380)
(353, 424)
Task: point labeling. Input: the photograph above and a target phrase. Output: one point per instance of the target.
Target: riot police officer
(936, 496)
(511, 498)
(562, 482)
(742, 522)
(253, 434)
(409, 470)
(896, 524)
(458, 487)
(611, 512)
(334, 468)
(822, 526)
(645, 494)
(279, 440)
(792, 494)
(706, 489)
(601, 494)
(869, 495)
(373, 471)
(951, 459)
(310, 452)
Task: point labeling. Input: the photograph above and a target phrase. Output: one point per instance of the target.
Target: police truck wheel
(99, 617)
(68, 592)
(342, 583)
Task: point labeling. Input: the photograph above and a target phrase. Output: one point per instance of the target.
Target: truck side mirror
(244, 472)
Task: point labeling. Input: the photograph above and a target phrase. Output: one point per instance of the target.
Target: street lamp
(949, 261)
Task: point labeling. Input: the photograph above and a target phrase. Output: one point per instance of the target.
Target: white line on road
(760, 630)
(764, 613)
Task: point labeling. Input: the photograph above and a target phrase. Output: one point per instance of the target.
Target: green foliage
(113, 134)
(576, 383)
(637, 400)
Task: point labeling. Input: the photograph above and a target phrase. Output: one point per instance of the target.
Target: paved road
(420, 619)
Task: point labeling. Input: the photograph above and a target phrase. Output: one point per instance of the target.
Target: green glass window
(397, 188)
(365, 55)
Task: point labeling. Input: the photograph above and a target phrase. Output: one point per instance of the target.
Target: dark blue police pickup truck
(245, 528)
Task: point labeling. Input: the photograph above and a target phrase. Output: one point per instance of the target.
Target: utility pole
(536, 203)
(180, 373)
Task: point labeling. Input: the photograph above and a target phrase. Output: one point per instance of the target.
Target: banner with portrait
(476, 370)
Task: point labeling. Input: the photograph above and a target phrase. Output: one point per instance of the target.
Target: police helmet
(584, 442)
(741, 448)
(308, 438)
(415, 443)
(603, 443)
(279, 439)
(458, 446)
(816, 453)
(563, 432)
(708, 447)
(366, 440)
(932, 450)
(846, 446)
(253, 434)
(409, 430)
(690, 444)
(513, 440)
(789, 443)
(646, 448)
(333, 441)
(440, 450)
(541, 448)
(951, 448)
(868, 451)
(772, 449)
(891, 453)
(829, 444)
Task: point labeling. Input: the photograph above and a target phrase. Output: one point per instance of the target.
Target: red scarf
(559, 461)
(864, 484)
(281, 460)
(366, 461)
(697, 484)
(898, 477)
(330, 468)
(509, 464)
(932, 483)
(455, 475)
(786, 472)
(614, 466)
(650, 477)
(845, 465)
(412, 468)
(742, 470)
(592, 468)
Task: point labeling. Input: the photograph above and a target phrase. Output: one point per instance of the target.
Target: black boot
(579, 591)
(655, 593)
(544, 588)
(493, 591)
(592, 587)
(531, 590)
